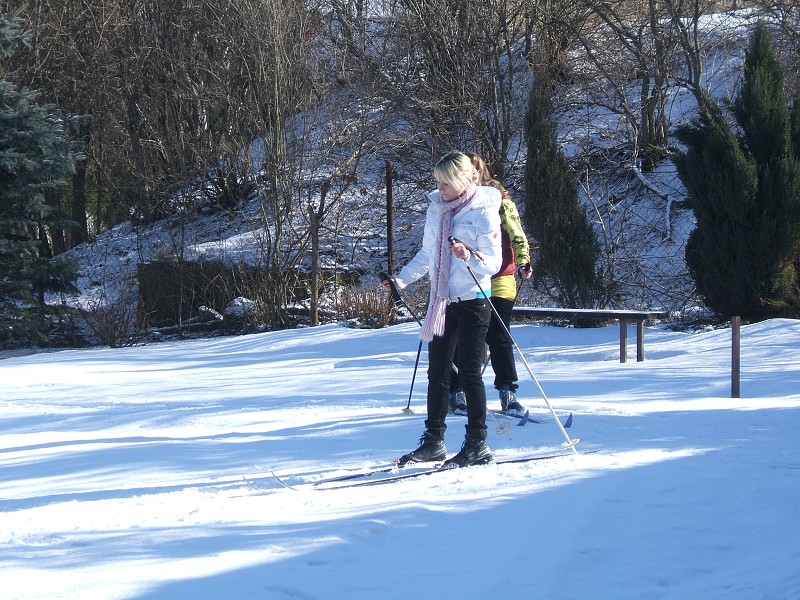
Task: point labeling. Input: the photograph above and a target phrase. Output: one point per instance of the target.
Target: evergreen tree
(34, 157)
(566, 265)
(722, 190)
(795, 117)
(745, 192)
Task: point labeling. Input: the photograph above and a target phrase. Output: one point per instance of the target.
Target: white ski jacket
(478, 226)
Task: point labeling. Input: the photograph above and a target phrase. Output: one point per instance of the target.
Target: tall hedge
(566, 264)
(744, 186)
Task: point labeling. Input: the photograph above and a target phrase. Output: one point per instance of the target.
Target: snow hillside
(123, 472)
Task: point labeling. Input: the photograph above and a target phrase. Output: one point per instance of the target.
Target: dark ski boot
(509, 403)
(431, 449)
(458, 401)
(473, 452)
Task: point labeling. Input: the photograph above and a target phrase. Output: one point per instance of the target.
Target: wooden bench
(623, 316)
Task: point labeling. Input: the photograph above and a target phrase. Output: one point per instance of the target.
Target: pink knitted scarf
(440, 268)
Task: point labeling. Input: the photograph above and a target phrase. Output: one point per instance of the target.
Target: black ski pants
(465, 327)
(501, 348)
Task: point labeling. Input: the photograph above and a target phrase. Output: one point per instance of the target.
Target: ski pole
(400, 303)
(570, 443)
(407, 409)
(398, 299)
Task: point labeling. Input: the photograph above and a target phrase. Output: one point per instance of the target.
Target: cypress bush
(744, 187)
(566, 265)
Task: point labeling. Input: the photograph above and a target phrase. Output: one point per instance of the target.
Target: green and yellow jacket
(516, 251)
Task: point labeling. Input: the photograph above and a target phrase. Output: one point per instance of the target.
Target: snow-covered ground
(122, 472)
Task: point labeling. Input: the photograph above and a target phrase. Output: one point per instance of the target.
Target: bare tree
(628, 45)
(316, 118)
(465, 76)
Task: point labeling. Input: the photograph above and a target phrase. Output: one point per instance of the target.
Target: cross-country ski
(522, 419)
(391, 473)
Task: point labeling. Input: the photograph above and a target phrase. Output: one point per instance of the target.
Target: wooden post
(639, 340)
(736, 337)
(623, 340)
(315, 215)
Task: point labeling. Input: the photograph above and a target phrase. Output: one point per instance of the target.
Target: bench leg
(623, 340)
(639, 341)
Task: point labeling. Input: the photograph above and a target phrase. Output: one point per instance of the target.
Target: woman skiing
(516, 259)
(462, 229)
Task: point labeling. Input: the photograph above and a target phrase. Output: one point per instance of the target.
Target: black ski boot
(473, 452)
(431, 449)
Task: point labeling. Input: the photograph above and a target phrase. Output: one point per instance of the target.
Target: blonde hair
(456, 169)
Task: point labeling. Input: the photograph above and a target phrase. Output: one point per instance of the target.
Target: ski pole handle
(454, 240)
(385, 279)
(396, 297)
